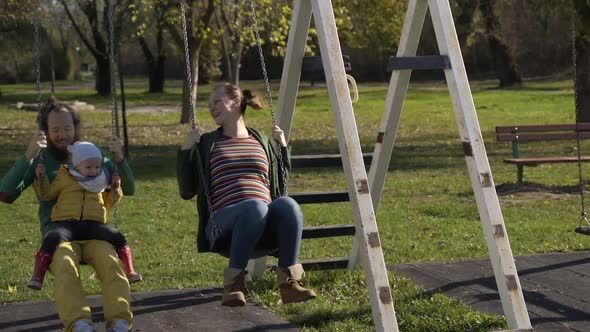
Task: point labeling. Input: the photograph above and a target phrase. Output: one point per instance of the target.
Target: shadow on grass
(529, 187)
(322, 317)
(159, 161)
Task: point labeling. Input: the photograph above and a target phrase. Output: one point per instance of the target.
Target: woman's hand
(38, 141)
(193, 137)
(279, 136)
(116, 148)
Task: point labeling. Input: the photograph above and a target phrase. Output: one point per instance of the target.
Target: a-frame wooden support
(473, 146)
(349, 143)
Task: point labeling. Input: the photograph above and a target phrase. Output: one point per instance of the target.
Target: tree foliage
(14, 12)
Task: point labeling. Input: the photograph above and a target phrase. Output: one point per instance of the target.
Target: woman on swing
(235, 173)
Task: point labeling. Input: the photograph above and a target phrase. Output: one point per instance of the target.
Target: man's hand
(38, 141)
(40, 171)
(116, 180)
(116, 148)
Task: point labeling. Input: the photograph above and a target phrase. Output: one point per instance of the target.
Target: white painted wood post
(470, 132)
(354, 168)
(479, 169)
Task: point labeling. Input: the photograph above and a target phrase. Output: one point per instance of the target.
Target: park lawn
(427, 211)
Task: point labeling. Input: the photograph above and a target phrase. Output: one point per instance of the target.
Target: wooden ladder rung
(320, 197)
(323, 160)
(328, 231)
(427, 62)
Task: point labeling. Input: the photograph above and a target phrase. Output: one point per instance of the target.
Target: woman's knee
(255, 209)
(286, 208)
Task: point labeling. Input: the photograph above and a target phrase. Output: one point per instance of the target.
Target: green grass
(427, 211)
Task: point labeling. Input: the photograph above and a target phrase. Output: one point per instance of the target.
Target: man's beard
(60, 155)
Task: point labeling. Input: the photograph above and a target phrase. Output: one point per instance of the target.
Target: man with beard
(59, 127)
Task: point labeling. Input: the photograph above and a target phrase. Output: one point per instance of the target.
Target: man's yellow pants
(67, 287)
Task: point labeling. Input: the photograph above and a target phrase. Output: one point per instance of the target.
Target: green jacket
(22, 175)
(193, 164)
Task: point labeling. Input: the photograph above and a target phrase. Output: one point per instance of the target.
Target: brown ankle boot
(42, 261)
(234, 283)
(126, 258)
(292, 290)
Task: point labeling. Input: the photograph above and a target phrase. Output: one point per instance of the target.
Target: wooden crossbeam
(320, 197)
(327, 231)
(323, 160)
(426, 62)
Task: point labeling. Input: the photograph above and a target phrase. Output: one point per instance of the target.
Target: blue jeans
(250, 224)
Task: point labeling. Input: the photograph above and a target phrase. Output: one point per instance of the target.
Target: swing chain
(268, 93)
(37, 23)
(577, 111)
(114, 111)
(38, 63)
(189, 82)
(189, 77)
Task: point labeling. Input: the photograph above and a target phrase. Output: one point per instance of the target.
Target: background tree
(149, 19)
(198, 17)
(503, 61)
(15, 12)
(234, 32)
(95, 33)
(373, 25)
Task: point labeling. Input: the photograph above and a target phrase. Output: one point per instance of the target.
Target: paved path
(556, 286)
(191, 309)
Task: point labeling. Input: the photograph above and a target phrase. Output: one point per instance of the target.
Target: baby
(83, 193)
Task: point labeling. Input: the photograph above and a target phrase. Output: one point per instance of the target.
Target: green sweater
(22, 175)
(193, 164)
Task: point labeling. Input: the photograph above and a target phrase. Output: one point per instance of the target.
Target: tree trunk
(236, 60)
(186, 114)
(156, 75)
(504, 64)
(103, 76)
(583, 78)
(464, 21)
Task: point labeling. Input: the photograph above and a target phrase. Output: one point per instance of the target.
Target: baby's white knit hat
(83, 150)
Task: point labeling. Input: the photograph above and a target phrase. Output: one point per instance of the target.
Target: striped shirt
(239, 171)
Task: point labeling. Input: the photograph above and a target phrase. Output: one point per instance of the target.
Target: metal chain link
(189, 83)
(51, 22)
(268, 93)
(38, 62)
(189, 76)
(37, 23)
(114, 112)
(577, 111)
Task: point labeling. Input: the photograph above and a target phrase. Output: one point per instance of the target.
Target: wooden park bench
(532, 133)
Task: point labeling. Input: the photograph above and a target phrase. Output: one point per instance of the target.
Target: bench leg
(520, 171)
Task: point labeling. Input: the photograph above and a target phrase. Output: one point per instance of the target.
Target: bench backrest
(542, 132)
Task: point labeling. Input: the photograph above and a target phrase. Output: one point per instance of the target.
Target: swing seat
(265, 247)
(583, 230)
